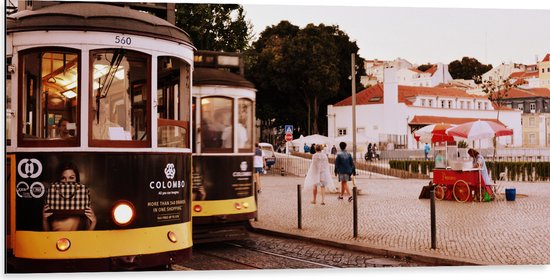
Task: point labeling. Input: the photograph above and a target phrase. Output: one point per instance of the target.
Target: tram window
(244, 126)
(216, 124)
(49, 97)
(119, 100)
(173, 97)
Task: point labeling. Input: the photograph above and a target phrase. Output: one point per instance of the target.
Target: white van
(269, 154)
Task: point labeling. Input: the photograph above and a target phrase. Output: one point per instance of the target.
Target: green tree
(298, 72)
(468, 68)
(215, 27)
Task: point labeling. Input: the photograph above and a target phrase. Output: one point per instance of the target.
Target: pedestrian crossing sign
(288, 129)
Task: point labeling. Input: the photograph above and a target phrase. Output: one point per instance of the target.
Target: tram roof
(95, 17)
(211, 76)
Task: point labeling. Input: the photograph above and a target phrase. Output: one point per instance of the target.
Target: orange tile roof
(524, 74)
(375, 94)
(531, 92)
(547, 57)
(432, 70)
(421, 120)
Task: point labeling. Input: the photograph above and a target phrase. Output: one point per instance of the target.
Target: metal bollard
(354, 211)
(255, 190)
(282, 171)
(432, 217)
(299, 190)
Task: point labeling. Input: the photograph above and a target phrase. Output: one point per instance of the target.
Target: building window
(486, 105)
(532, 138)
(532, 107)
(520, 106)
(479, 105)
(461, 105)
(532, 121)
(422, 102)
(430, 103)
(442, 103)
(342, 131)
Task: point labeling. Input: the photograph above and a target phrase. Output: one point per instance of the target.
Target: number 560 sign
(123, 40)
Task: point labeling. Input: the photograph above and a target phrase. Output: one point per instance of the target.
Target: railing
(519, 168)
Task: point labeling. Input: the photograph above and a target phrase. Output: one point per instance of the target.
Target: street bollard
(299, 190)
(282, 171)
(255, 189)
(354, 211)
(432, 216)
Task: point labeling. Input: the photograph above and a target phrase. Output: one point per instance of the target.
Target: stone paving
(392, 218)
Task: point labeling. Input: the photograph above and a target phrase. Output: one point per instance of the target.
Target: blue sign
(289, 129)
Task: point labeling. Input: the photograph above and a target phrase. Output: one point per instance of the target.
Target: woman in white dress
(318, 175)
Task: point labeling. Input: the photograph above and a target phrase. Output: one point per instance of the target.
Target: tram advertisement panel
(86, 186)
(222, 177)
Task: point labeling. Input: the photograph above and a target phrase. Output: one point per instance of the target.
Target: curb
(406, 254)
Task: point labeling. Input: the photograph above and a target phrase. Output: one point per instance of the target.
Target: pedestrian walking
(333, 151)
(318, 176)
(426, 151)
(259, 166)
(344, 168)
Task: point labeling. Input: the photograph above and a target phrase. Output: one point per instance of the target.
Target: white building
(407, 73)
(389, 113)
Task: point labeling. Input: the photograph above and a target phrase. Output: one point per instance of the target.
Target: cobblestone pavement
(392, 218)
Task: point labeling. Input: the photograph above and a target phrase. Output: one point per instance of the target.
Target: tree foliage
(215, 27)
(298, 72)
(468, 68)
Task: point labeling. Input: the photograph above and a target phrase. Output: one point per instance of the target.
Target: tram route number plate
(123, 40)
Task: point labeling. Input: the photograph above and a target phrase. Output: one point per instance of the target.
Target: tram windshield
(50, 96)
(120, 95)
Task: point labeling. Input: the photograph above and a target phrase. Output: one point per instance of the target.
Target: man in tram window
(63, 130)
(68, 187)
(242, 132)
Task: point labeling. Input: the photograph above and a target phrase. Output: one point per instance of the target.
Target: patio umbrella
(479, 130)
(433, 133)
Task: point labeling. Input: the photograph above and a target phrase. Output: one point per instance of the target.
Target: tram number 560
(123, 40)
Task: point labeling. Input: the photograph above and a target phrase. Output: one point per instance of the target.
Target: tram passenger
(479, 162)
(62, 130)
(68, 174)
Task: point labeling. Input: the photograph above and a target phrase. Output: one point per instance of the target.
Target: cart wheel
(439, 192)
(461, 191)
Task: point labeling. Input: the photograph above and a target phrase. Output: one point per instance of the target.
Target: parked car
(269, 154)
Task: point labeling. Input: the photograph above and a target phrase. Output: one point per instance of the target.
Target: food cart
(455, 178)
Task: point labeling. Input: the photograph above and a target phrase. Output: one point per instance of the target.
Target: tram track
(268, 252)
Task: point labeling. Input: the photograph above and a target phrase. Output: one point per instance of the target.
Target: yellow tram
(98, 102)
(223, 124)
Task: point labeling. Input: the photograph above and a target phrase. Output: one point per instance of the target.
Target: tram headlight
(123, 213)
(63, 244)
(238, 206)
(245, 205)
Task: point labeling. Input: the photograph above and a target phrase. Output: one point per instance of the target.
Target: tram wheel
(461, 191)
(439, 192)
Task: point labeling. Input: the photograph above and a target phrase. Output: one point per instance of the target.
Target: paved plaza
(392, 219)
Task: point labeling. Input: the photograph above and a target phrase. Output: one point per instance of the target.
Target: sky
(423, 33)
(420, 31)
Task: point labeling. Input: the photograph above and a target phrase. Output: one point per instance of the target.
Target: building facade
(534, 104)
(389, 113)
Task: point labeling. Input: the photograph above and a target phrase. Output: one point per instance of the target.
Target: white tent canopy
(308, 140)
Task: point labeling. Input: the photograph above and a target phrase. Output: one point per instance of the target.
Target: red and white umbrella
(479, 130)
(434, 133)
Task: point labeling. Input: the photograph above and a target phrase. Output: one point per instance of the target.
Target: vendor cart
(460, 185)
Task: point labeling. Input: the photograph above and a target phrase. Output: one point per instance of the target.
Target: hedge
(515, 171)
